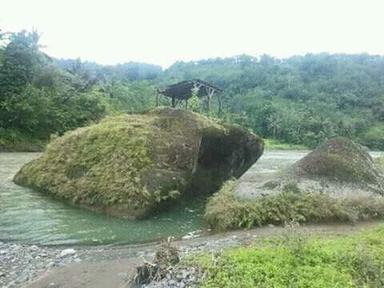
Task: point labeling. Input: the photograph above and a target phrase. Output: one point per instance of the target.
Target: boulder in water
(132, 165)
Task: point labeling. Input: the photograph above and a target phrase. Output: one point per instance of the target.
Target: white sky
(164, 31)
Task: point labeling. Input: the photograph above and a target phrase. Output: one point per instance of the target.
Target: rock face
(131, 165)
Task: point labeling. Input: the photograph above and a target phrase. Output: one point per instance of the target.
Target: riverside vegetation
(298, 260)
(299, 100)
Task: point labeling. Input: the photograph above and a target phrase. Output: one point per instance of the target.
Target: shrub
(224, 211)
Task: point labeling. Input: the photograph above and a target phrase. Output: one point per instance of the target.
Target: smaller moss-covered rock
(338, 181)
(133, 165)
(339, 167)
(338, 159)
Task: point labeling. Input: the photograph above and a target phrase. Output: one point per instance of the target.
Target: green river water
(30, 217)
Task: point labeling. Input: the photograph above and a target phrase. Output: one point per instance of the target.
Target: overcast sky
(164, 31)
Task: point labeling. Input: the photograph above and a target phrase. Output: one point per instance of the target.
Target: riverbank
(37, 266)
(22, 145)
(34, 266)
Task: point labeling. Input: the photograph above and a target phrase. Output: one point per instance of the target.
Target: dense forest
(300, 100)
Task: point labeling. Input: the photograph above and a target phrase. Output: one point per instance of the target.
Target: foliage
(373, 137)
(224, 211)
(21, 59)
(37, 98)
(299, 100)
(40, 96)
(130, 97)
(297, 260)
(14, 140)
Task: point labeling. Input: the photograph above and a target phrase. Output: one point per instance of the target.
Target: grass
(224, 211)
(273, 144)
(297, 260)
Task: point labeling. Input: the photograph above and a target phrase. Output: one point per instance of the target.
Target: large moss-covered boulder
(130, 165)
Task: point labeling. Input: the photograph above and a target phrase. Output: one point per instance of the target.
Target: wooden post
(220, 104)
(173, 102)
(210, 94)
(209, 103)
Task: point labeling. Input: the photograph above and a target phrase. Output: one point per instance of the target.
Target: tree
(21, 59)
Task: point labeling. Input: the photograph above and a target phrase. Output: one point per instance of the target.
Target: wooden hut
(182, 91)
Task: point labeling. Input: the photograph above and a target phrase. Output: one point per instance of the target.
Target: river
(30, 217)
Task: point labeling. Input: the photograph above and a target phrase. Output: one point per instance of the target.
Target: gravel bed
(21, 263)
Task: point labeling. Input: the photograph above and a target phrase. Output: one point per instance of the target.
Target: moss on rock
(130, 165)
(338, 159)
(338, 181)
(338, 167)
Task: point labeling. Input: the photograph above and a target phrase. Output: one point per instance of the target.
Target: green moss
(130, 165)
(299, 261)
(224, 211)
(73, 166)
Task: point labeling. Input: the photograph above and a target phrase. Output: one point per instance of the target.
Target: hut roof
(182, 90)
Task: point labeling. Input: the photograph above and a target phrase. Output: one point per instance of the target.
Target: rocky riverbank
(21, 263)
(33, 266)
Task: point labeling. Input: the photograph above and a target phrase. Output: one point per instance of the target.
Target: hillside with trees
(300, 100)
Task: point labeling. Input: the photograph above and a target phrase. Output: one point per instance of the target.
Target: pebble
(67, 252)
